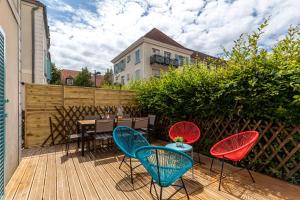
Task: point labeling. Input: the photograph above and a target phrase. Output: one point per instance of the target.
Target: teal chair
(165, 166)
(128, 141)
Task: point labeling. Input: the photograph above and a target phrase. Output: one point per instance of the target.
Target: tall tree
(55, 75)
(83, 78)
(108, 77)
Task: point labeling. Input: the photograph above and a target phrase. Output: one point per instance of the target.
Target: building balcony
(161, 60)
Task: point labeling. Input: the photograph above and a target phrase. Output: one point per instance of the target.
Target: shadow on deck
(47, 173)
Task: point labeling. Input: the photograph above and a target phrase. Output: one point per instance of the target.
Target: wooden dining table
(81, 127)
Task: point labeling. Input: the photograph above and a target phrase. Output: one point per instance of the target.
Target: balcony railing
(158, 59)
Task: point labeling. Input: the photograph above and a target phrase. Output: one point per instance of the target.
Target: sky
(92, 32)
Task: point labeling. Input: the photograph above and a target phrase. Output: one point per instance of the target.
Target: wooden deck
(48, 173)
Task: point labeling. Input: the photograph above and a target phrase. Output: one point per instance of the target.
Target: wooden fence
(277, 152)
(67, 116)
(44, 101)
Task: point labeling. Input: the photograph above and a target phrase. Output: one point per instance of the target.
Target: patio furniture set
(165, 165)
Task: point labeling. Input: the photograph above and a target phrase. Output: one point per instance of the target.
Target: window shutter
(2, 115)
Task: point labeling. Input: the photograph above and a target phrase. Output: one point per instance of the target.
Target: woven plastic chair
(234, 148)
(165, 166)
(188, 131)
(128, 141)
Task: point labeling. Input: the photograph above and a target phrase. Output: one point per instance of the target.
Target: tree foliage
(108, 77)
(83, 78)
(257, 83)
(55, 75)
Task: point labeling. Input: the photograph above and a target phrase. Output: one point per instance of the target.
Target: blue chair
(128, 141)
(165, 166)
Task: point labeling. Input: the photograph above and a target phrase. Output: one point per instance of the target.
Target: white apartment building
(35, 38)
(148, 56)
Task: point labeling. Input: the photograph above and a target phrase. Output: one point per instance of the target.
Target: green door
(2, 114)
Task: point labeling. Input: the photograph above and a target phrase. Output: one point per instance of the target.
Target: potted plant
(179, 141)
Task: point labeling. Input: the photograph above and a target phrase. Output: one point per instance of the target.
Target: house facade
(68, 76)
(10, 110)
(149, 55)
(36, 60)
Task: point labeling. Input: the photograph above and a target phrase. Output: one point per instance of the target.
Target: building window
(156, 72)
(119, 67)
(128, 58)
(137, 74)
(69, 81)
(137, 56)
(179, 59)
(167, 54)
(155, 51)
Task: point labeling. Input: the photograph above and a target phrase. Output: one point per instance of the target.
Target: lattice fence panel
(276, 153)
(66, 117)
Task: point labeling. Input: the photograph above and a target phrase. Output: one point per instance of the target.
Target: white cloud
(92, 37)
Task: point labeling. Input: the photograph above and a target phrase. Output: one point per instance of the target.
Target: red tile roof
(67, 73)
(157, 35)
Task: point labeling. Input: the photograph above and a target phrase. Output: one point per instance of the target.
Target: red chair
(234, 148)
(187, 130)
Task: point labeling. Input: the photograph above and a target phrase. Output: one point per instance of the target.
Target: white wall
(146, 53)
(9, 25)
(40, 44)
(131, 67)
(40, 47)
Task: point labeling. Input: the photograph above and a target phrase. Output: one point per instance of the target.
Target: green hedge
(253, 83)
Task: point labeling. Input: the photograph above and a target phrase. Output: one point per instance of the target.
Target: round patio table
(184, 148)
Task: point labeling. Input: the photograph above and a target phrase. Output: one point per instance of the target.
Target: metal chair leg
(250, 175)
(151, 185)
(78, 143)
(221, 174)
(183, 185)
(211, 164)
(131, 171)
(161, 191)
(122, 162)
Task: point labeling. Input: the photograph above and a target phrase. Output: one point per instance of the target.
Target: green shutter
(2, 115)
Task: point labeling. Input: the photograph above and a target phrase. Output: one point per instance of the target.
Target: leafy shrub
(253, 83)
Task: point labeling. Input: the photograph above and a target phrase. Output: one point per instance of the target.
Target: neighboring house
(36, 60)
(150, 55)
(68, 76)
(10, 117)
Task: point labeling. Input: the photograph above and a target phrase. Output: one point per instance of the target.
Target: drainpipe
(33, 41)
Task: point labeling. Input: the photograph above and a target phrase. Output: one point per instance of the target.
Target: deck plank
(109, 182)
(39, 178)
(63, 190)
(12, 187)
(28, 177)
(50, 178)
(76, 191)
(86, 183)
(48, 174)
(139, 186)
(98, 183)
(124, 183)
